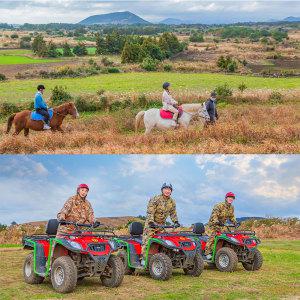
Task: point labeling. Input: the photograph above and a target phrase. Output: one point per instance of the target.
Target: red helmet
(83, 186)
(230, 194)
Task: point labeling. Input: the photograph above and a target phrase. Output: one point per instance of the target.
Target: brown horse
(22, 120)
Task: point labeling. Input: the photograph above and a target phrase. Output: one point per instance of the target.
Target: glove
(153, 225)
(96, 224)
(220, 224)
(176, 224)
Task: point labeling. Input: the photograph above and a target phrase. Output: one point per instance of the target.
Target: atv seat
(136, 231)
(52, 227)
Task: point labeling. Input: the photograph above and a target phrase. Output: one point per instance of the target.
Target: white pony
(152, 118)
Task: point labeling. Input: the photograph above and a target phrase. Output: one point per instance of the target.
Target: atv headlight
(113, 245)
(234, 240)
(169, 243)
(75, 245)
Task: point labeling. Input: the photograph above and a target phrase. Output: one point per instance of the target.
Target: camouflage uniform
(158, 210)
(220, 213)
(77, 210)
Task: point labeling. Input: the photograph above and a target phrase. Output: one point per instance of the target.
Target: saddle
(37, 117)
(165, 114)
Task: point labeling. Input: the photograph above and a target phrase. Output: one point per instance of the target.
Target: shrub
(168, 68)
(80, 49)
(113, 70)
(242, 87)
(223, 91)
(14, 36)
(227, 63)
(196, 37)
(276, 97)
(116, 105)
(103, 103)
(142, 101)
(2, 77)
(149, 64)
(7, 108)
(106, 62)
(67, 51)
(60, 95)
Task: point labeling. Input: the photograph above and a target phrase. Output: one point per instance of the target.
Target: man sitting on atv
(169, 104)
(211, 107)
(221, 212)
(159, 209)
(41, 107)
(77, 209)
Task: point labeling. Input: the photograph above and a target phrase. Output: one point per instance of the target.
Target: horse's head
(72, 110)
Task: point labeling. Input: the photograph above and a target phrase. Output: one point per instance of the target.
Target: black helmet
(167, 185)
(213, 94)
(166, 85)
(40, 87)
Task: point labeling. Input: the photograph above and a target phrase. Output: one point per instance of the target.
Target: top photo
(124, 77)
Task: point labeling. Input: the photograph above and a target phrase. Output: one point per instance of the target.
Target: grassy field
(278, 278)
(140, 82)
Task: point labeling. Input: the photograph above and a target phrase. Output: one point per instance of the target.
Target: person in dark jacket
(211, 107)
(41, 107)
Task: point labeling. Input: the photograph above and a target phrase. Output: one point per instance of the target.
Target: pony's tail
(138, 119)
(9, 123)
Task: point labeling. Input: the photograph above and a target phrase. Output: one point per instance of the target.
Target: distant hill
(122, 18)
(292, 19)
(171, 21)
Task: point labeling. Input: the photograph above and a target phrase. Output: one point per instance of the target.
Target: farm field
(278, 278)
(140, 82)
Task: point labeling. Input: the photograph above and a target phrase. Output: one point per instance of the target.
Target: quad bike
(69, 257)
(165, 251)
(230, 247)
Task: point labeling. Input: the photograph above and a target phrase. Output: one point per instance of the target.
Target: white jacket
(167, 100)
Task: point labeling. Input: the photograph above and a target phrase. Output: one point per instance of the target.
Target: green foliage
(167, 67)
(2, 227)
(39, 46)
(100, 45)
(142, 101)
(276, 98)
(150, 48)
(223, 91)
(170, 45)
(80, 49)
(242, 87)
(60, 95)
(67, 51)
(149, 64)
(113, 70)
(279, 35)
(14, 36)
(130, 53)
(52, 50)
(8, 108)
(106, 62)
(227, 64)
(196, 37)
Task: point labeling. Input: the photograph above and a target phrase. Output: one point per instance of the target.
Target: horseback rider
(219, 215)
(169, 104)
(77, 209)
(211, 107)
(159, 209)
(41, 107)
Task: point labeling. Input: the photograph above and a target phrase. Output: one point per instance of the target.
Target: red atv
(69, 257)
(165, 251)
(230, 247)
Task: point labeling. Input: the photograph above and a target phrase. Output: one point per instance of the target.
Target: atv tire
(115, 269)
(127, 270)
(197, 268)
(28, 272)
(226, 260)
(64, 274)
(160, 266)
(256, 263)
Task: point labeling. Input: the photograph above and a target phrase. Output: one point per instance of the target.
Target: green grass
(278, 278)
(9, 245)
(16, 90)
(21, 60)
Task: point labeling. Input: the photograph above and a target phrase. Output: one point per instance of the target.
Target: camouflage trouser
(211, 231)
(147, 234)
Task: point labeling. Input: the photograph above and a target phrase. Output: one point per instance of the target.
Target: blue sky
(35, 187)
(73, 11)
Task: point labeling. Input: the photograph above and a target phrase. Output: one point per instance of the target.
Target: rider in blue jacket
(41, 107)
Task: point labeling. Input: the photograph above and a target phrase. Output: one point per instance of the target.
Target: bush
(106, 62)
(223, 91)
(104, 104)
(7, 108)
(2, 77)
(142, 101)
(276, 97)
(80, 49)
(168, 68)
(83, 103)
(113, 70)
(149, 64)
(116, 105)
(196, 37)
(60, 95)
(227, 63)
(242, 87)
(14, 36)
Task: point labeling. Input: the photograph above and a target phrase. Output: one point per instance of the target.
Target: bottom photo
(149, 227)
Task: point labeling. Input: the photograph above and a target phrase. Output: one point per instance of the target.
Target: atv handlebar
(95, 225)
(158, 226)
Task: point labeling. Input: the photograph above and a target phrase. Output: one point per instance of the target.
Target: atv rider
(169, 104)
(211, 107)
(77, 209)
(221, 212)
(159, 209)
(41, 107)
